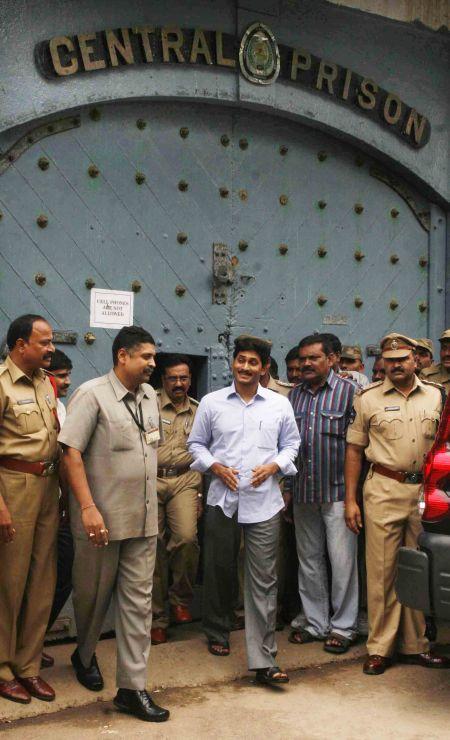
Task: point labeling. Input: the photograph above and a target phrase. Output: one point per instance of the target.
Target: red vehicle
(423, 576)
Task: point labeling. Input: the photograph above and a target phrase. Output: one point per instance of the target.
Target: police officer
(28, 507)
(440, 373)
(179, 500)
(424, 354)
(395, 424)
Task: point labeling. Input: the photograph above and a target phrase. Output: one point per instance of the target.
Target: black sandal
(220, 649)
(272, 675)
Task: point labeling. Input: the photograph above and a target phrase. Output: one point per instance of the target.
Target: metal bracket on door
(223, 273)
(35, 135)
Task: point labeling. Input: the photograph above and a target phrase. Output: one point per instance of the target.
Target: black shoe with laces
(141, 705)
(90, 677)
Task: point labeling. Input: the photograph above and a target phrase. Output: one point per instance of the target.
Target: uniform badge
(394, 344)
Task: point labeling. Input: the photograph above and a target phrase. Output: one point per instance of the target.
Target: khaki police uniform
(28, 434)
(438, 373)
(396, 432)
(178, 489)
(280, 386)
(120, 461)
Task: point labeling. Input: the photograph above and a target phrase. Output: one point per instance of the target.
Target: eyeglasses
(177, 378)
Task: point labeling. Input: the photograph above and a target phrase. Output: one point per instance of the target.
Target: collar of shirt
(165, 401)
(389, 387)
(261, 392)
(17, 374)
(331, 381)
(121, 392)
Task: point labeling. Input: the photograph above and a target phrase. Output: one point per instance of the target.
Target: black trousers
(64, 572)
(220, 574)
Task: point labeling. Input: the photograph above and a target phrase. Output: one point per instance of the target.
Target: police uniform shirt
(397, 431)
(280, 386)
(177, 423)
(120, 465)
(437, 374)
(28, 425)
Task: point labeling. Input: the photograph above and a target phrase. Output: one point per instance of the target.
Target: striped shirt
(322, 419)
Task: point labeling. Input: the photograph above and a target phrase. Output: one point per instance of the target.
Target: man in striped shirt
(323, 404)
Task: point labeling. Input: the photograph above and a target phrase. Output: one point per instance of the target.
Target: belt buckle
(412, 478)
(48, 469)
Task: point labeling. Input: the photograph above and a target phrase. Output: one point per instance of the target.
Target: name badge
(392, 408)
(152, 436)
(25, 400)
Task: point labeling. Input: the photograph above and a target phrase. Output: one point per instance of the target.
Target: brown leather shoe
(158, 635)
(426, 660)
(375, 665)
(180, 614)
(38, 688)
(47, 661)
(13, 691)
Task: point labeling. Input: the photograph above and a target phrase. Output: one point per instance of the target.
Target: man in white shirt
(244, 436)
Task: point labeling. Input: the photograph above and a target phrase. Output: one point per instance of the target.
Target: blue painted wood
(116, 231)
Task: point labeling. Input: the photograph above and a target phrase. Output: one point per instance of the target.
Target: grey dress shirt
(120, 465)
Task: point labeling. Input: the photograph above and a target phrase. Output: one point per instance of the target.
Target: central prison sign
(257, 55)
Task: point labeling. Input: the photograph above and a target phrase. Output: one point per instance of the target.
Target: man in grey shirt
(110, 439)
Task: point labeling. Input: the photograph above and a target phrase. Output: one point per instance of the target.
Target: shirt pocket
(267, 436)
(121, 435)
(429, 424)
(390, 425)
(332, 422)
(29, 418)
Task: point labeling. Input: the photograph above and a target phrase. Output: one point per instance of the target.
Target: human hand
(94, 526)
(262, 472)
(229, 476)
(7, 530)
(353, 518)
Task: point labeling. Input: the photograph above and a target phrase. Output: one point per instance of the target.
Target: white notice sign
(111, 309)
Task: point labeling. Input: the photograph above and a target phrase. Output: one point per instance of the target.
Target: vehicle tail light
(436, 473)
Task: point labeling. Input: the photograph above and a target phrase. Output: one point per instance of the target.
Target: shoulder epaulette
(194, 401)
(439, 386)
(285, 383)
(158, 391)
(432, 370)
(371, 386)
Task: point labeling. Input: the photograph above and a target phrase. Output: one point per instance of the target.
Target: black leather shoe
(90, 678)
(141, 705)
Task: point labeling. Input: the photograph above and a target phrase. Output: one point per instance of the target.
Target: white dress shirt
(244, 435)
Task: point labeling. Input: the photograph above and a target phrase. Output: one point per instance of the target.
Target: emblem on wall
(259, 57)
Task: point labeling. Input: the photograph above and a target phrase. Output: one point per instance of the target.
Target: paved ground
(333, 701)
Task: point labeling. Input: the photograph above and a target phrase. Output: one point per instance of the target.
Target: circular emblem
(259, 57)
(394, 344)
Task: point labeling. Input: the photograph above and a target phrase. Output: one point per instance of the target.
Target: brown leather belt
(43, 469)
(172, 472)
(397, 475)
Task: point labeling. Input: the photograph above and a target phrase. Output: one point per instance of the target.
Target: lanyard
(138, 421)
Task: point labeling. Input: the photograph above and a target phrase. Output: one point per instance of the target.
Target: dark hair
(21, 328)
(292, 355)
(317, 339)
(60, 361)
(253, 344)
(334, 342)
(128, 338)
(273, 370)
(167, 361)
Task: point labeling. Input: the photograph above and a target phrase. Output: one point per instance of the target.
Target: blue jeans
(319, 527)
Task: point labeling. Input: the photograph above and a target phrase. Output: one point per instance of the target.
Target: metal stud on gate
(283, 150)
(322, 204)
(180, 290)
(423, 261)
(321, 156)
(43, 163)
(93, 170)
(136, 286)
(358, 208)
(359, 255)
(184, 132)
(283, 249)
(283, 200)
(141, 124)
(40, 279)
(358, 302)
(89, 283)
(243, 195)
(224, 192)
(182, 237)
(243, 144)
(139, 177)
(321, 300)
(394, 258)
(394, 212)
(89, 337)
(224, 140)
(243, 245)
(322, 251)
(393, 305)
(42, 221)
(183, 186)
(423, 306)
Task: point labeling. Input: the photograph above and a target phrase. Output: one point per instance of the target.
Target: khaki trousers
(123, 570)
(391, 521)
(178, 550)
(27, 571)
